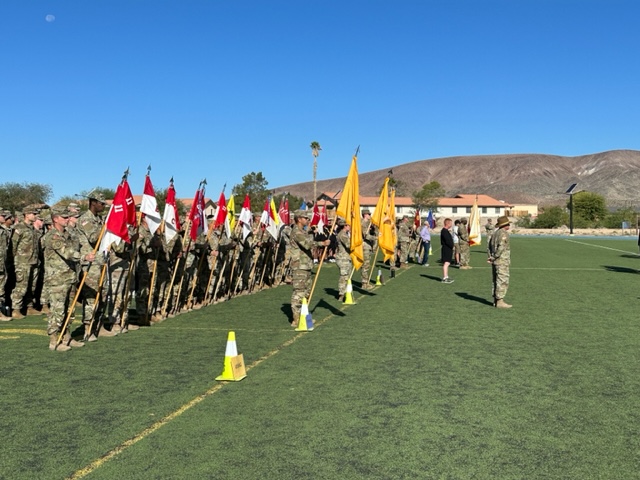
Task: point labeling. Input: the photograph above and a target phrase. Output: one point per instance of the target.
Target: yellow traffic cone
(305, 323)
(430, 250)
(234, 369)
(379, 277)
(348, 294)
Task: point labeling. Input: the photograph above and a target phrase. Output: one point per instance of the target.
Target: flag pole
(324, 252)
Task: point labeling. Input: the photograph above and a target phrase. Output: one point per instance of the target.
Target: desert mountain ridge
(513, 178)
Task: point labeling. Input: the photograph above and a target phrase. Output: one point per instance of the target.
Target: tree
(315, 151)
(427, 197)
(15, 196)
(626, 214)
(255, 185)
(551, 217)
(590, 207)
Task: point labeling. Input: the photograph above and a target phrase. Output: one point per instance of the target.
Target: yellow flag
(381, 206)
(349, 209)
(231, 213)
(388, 238)
(475, 238)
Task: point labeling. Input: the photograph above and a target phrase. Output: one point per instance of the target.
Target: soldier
(490, 229)
(120, 258)
(369, 245)
(5, 239)
(343, 257)
(8, 280)
(302, 245)
(463, 244)
(60, 258)
(90, 226)
(25, 247)
(500, 259)
(404, 239)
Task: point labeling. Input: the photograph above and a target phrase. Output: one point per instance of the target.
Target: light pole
(571, 191)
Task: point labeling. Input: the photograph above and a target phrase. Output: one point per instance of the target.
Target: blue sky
(219, 88)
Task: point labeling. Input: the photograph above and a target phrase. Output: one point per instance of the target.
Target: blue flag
(431, 220)
(303, 206)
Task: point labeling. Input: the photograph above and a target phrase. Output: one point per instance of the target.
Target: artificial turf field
(417, 380)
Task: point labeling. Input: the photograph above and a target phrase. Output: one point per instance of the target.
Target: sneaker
(447, 280)
(425, 264)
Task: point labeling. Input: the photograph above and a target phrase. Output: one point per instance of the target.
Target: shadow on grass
(327, 306)
(473, 298)
(615, 268)
(630, 255)
(332, 292)
(432, 277)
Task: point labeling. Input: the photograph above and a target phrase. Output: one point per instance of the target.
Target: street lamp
(571, 191)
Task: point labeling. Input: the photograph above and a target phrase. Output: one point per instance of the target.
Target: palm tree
(315, 151)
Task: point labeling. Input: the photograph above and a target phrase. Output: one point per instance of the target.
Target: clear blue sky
(220, 88)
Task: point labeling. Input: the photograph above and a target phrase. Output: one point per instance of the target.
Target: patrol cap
(97, 196)
(59, 211)
(503, 221)
(302, 213)
(464, 221)
(30, 209)
(366, 211)
(7, 214)
(341, 222)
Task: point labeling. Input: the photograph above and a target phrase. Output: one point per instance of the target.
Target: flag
(283, 211)
(388, 240)
(170, 216)
(431, 219)
(274, 213)
(319, 218)
(268, 218)
(245, 217)
(149, 206)
(382, 205)
(349, 209)
(122, 213)
(303, 206)
(416, 219)
(475, 237)
(230, 223)
(196, 214)
(220, 216)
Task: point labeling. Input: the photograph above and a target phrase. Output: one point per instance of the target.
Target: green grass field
(417, 380)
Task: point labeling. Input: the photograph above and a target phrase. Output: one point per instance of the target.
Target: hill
(514, 178)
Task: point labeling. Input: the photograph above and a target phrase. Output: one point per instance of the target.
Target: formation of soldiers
(50, 263)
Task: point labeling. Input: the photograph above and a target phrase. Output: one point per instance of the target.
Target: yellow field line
(162, 422)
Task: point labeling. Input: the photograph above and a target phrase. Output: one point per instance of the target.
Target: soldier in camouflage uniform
(369, 247)
(343, 257)
(490, 228)
(302, 245)
(90, 226)
(404, 239)
(5, 239)
(120, 258)
(500, 259)
(60, 257)
(463, 244)
(25, 247)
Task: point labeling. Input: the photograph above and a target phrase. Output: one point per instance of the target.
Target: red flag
(117, 218)
(221, 212)
(283, 211)
(316, 216)
(129, 205)
(149, 206)
(416, 219)
(171, 217)
(196, 215)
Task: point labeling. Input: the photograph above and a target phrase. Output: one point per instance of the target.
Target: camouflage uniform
(302, 245)
(404, 238)
(490, 228)
(463, 243)
(343, 259)
(500, 257)
(118, 275)
(89, 227)
(25, 249)
(369, 246)
(5, 241)
(61, 258)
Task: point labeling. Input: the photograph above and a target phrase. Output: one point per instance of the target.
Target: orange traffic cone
(234, 369)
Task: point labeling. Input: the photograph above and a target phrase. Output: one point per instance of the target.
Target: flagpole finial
(171, 179)
(357, 151)
(224, 187)
(148, 169)
(204, 181)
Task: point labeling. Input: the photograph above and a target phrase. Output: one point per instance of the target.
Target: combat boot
(67, 340)
(33, 311)
(53, 344)
(17, 315)
(103, 332)
(4, 318)
(502, 304)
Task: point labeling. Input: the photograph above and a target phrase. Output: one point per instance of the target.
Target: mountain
(514, 178)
